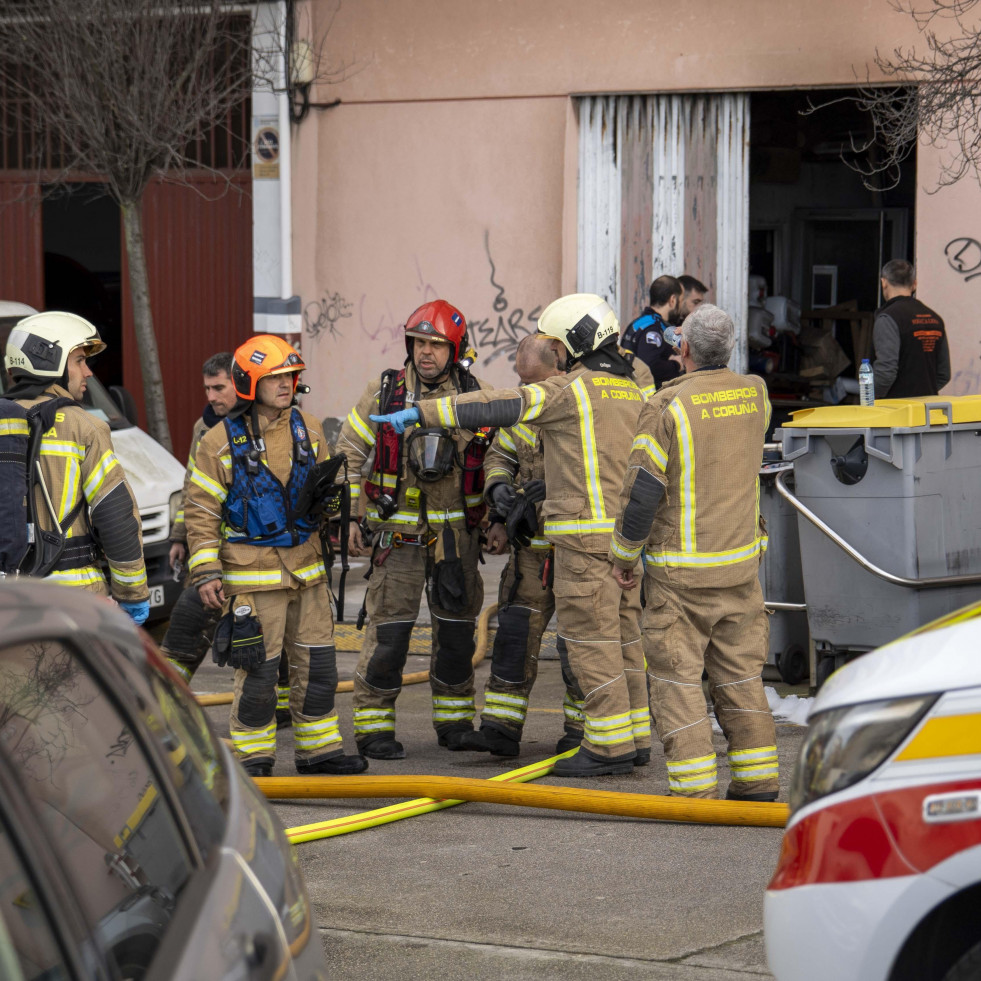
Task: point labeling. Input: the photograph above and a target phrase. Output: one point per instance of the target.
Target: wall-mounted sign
(265, 148)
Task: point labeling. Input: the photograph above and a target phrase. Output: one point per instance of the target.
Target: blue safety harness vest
(259, 510)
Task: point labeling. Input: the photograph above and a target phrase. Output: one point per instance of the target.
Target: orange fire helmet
(262, 355)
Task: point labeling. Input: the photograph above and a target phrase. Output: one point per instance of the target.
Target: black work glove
(521, 523)
(319, 492)
(534, 490)
(501, 497)
(238, 639)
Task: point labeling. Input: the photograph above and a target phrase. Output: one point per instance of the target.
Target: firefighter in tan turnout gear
(93, 505)
(691, 499)
(255, 505)
(586, 419)
(424, 502)
(516, 462)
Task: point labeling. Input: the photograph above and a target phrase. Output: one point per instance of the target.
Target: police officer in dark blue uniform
(645, 336)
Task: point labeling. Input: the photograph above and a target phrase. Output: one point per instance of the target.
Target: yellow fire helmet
(584, 322)
(39, 345)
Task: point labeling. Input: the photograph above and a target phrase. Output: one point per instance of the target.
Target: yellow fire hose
(448, 791)
(413, 678)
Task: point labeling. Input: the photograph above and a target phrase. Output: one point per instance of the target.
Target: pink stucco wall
(450, 166)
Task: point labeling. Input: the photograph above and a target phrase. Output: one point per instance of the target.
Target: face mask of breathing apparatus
(431, 453)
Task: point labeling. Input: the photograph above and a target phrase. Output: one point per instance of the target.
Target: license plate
(156, 596)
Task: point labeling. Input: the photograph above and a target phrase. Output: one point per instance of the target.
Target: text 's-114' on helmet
(39, 345)
(262, 355)
(438, 321)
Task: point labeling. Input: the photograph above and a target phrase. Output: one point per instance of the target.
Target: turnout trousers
(296, 622)
(725, 632)
(392, 602)
(600, 624)
(188, 640)
(524, 610)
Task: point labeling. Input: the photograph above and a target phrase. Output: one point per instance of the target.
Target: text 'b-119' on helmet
(438, 321)
(262, 355)
(39, 345)
(583, 322)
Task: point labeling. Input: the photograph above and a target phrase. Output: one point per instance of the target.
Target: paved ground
(487, 891)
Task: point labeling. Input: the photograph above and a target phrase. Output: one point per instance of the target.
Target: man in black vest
(911, 353)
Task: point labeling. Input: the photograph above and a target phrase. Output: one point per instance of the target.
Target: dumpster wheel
(792, 664)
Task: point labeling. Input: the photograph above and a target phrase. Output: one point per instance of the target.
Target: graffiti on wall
(498, 335)
(384, 330)
(323, 316)
(964, 257)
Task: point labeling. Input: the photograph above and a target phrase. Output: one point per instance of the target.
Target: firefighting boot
(452, 737)
(766, 798)
(586, 764)
(283, 719)
(258, 769)
(567, 742)
(382, 747)
(643, 757)
(491, 740)
(337, 765)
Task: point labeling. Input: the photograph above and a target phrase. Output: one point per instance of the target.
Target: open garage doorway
(81, 237)
(818, 237)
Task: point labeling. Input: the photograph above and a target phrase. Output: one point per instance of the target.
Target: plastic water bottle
(866, 383)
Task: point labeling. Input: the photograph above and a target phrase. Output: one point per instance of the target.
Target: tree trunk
(146, 338)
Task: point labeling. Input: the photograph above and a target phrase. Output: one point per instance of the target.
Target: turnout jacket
(178, 532)
(244, 567)
(78, 463)
(419, 502)
(586, 420)
(514, 458)
(691, 490)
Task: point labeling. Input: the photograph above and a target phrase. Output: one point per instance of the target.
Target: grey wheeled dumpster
(782, 579)
(889, 513)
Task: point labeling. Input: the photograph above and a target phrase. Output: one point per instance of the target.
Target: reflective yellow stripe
(208, 485)
(541, 543)
(498, 472)
(311, 571)
(282, 697)
(572, 708)
(536, 402)
(55, 447)
(252, 578)
(316, 735)
(368, 720)
(947, 735)
(640, 720)
(361, 427)
(652, 448)
(184, 671)
(434, 517)
(526, 434)
(444, 408)
(255, 741)
(608, 730)
(127, 578)
(14, 427)
(78, 577)
(506, 441)
(578, 527)
(201, 556)
(97, 478)
(648, 392)
(472, 500)
(69, 490)
(699, 773)
(452, 709)
(705, 560)
(512, 708)
(627, 554)
(594, 488)
(355, 491)
(686, 449)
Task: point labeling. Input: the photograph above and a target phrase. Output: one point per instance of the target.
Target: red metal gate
(21, 253)
(198, 241)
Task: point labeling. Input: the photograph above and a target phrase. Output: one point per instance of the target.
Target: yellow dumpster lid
(890, 414)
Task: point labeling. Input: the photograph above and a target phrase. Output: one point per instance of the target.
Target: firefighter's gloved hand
(534, 490)
(238, 640)
(521, 523)
(502, 497)
(399, 421)
(138, 611)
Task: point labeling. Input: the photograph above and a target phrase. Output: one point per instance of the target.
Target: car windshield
(97, 400)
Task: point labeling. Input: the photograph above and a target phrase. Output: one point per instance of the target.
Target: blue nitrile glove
(399, 421)
(138, 611)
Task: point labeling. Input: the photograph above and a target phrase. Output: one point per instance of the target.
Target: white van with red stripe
(879, 874)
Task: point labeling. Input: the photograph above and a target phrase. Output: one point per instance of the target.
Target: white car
(879, 875)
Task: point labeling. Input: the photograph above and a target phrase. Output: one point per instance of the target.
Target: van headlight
(175, 505)
(846, 744)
